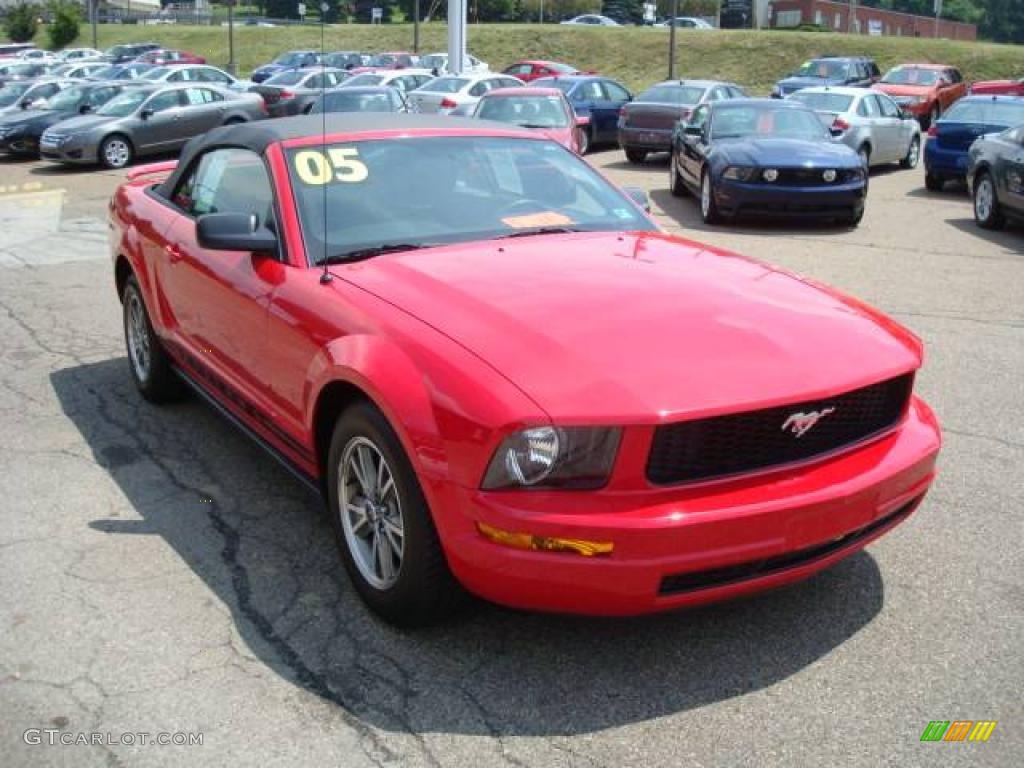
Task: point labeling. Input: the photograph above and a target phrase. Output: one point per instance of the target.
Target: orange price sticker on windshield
(541, 219)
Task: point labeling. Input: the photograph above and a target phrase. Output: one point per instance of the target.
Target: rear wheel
(116, 151)
(986, 205)
(708, 206)
(382, 523)
(636, 156)
(933, 182)
(913, 155)
(675, 181)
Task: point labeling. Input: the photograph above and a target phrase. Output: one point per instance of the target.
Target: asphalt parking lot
(162, 575)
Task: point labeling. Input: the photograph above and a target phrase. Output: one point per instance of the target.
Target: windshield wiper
(359, 254)
(540, 231)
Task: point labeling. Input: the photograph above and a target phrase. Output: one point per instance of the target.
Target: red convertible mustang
(504, 378)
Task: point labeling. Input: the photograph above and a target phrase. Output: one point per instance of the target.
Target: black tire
(991, 215)
(854, 218)
(636, 156)
(234, 120)
(933, 182)
(424, 590)
(933, 116)
(116, 152)
(153, 376)
(913, 156)
(675, 181)
(584, 140)
(709, 212)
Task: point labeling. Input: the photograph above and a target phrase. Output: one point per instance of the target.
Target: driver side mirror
(146, 114)
(582, 121)
(84, 109)
(234, 232)
(693, 130)
(25, 103)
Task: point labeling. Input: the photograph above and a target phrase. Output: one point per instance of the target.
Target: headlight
(739, 173)
(554, 457)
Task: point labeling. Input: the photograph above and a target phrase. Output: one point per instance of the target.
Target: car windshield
(289, 59)
(558, 67)
(22, 69)
(11, 92)
(464, 188)
(436, 61)
(673, 94)
(823, 68)
(823, 102)
(445, 85)
(287, 78)
(67, 99)
(740, 121)
(125, 104)
(529, 111)
(156, 73)
(342, 60)
(911, 76)
(986, 112)
(340, 101)
(367, 78)
(383, 60)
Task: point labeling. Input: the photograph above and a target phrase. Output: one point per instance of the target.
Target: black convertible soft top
(259, 135)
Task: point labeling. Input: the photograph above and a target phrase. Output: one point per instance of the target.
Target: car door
(159, 121)
(204, 110)
(694, 146)
(894, 130)
(218, 299)
(1009, 172)
(609, 100)
(953, 88)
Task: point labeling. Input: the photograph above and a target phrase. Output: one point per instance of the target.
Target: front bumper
(20, 144)
(735, 198)
(75, 152)
(944, 163)
(651, 139)
(690, 544)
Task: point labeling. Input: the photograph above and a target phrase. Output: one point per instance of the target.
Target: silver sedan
(867, 121)
(147, 120)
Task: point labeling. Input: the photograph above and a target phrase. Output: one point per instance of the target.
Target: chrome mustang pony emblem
(799, 423)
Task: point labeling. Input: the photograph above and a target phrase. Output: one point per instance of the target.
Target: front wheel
(913, 155)
(708, 207)
(583, 140)
(150, 367)
(933, 182)
(382, 524)
(675, 181)
(116, 152)
(636, 156)
(986, 204)
(933, 116)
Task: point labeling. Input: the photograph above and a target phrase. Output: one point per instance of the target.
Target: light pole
(231, 36)
(93, 8)
(416, 26)
(672, 41)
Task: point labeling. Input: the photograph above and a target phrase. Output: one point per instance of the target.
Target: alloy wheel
(138, 337)
(116, 153)
(705, 195)
(984, 196)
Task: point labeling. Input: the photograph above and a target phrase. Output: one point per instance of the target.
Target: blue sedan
(598, 98)
(760, 157)
(950, 137)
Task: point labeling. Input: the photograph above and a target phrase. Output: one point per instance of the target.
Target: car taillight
(286, 95)
(447, 103)
(840, 125)
(933, 130)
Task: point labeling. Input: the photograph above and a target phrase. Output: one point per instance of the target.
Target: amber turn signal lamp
(544, 543)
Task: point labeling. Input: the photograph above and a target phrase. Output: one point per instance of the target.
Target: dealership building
(837, 16)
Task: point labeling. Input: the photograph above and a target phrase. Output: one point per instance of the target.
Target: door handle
(173, 254)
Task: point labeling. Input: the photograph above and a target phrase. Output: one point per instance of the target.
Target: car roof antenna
(325, 276)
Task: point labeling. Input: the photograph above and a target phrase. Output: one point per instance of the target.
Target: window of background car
(11, 92)
(591, 90)
(365, 79)
(164, 101)
(210, 75)
(155, 73)
(615, 92)
(68, 98)
(867, 107)
(776, 122)
(289, 59)
(226, 181)
(125, 104)
(341, 101)
(910, 76)
(519, 69)
(287, 78)
(532, 111)
(986, 111)
(887, 105)
(465, 188)
(831, 70)
(446, 85)
(825, 102)
(195, 96)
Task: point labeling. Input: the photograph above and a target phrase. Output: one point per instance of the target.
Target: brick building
(867, 21)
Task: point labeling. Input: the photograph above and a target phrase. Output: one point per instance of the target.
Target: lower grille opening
(756, 569)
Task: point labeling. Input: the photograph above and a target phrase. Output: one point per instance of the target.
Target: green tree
(63, 30)
(20, 24)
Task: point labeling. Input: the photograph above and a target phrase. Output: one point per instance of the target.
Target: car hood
(640, 327)
(904, 90)
(786, 153)
(44, 117)
(85, 123)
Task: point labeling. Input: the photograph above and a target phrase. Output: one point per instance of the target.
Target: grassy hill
(638, 56)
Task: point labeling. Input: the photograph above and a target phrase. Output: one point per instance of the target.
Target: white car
(592, 20)
(35, 55)
(405, 80)
(449, 92)
(69, 55)
(438, 62)
(193, 73)
(686, 22)
(76, 70)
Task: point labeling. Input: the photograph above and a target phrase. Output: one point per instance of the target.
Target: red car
(924, 90)
(527, 71)
(163, 56)
(504, 378)
(545, 110)
(999, 87)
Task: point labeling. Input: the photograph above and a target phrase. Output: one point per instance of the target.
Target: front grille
(733, 444)
(813, 177)
(756, 569)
